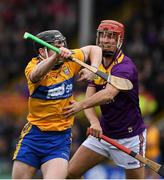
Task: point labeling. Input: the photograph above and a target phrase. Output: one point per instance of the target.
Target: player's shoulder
(124, 67)
(34, 60)
(129, 63)
(76, 51)
(125, 61)
(128, 59)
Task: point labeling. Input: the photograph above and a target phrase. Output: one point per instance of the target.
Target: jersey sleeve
(31, 65)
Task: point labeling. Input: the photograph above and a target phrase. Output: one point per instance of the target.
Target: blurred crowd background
(144, 43)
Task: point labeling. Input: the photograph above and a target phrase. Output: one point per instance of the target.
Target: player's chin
(109, 48)
(113, 50)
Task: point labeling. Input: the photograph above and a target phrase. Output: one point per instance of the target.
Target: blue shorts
(36, 147)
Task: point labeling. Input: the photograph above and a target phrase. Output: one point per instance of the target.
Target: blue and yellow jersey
(49, 96)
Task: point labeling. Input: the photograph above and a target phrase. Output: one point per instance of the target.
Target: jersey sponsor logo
(57, 91)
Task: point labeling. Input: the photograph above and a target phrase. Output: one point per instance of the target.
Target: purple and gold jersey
(49, 96)
(121, 118)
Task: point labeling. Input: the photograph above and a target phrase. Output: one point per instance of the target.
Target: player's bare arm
(94, 54)
(46, 64)
(101, 97)
(95, 128)
(42, 68)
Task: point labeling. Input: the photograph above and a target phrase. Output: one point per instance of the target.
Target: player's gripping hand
(95, 130)
(72, 109)
(86, 75)
(64, 53)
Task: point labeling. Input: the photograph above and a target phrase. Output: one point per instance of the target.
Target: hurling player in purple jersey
(121, 116)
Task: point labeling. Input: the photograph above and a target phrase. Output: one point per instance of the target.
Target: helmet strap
(46, 52)
(119, 43)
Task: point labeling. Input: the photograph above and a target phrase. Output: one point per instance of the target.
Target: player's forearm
(100, 97)
(95, 56)
(91, 115)
(42, 68)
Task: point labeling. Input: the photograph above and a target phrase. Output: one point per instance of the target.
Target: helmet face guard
(112, 28)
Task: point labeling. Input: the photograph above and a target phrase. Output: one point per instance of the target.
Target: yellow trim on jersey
(119, 60)
(25, 131)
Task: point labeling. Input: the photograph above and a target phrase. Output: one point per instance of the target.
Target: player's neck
(107, 61)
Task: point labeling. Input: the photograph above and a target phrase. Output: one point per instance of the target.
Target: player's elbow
(35, 77)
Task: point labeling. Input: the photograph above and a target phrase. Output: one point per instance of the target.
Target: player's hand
(64, 52)
(95, 130)
(86, 75)
(73, 108)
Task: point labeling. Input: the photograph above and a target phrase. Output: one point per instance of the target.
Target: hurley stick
(158, 168)
(120, 83)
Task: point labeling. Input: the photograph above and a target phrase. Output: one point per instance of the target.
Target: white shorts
(136, 144)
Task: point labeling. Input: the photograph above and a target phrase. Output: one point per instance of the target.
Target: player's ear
(41, 52)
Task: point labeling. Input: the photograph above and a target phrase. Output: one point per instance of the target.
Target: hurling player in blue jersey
(46, 138)
(121, 116)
